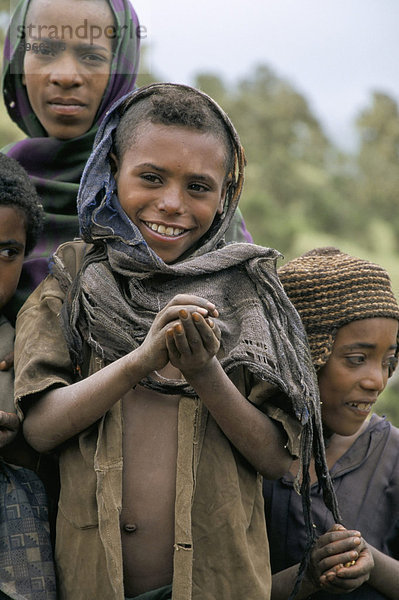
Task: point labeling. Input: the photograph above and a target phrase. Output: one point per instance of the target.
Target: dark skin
(350, 383)
(171, 183)
(7, 362)
(184, 339)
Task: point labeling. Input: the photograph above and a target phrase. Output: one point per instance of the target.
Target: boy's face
(12, 250)
(356, 373)
(171, 183)
(67, 63)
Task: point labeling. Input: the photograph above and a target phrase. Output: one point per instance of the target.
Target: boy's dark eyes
(9, 253)
(151, 177)
(198, 187)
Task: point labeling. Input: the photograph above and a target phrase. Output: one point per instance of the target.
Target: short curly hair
(174, 105)
(17, 190)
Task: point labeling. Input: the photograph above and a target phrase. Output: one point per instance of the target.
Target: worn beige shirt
(221, 549)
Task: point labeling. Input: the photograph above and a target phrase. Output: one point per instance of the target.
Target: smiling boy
(156, 383)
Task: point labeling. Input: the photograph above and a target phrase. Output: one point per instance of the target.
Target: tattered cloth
(123, 284)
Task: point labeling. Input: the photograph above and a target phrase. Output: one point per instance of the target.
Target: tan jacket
(221, 549)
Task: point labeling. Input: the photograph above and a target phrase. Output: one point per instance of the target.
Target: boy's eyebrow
(148, 165)
(10, 242)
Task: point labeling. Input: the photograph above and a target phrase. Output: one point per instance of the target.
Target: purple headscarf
(55, 166)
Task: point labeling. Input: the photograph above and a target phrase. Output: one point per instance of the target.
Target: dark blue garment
(26, 558)
(366, 481)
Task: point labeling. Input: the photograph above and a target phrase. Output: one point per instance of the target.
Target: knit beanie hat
(330, 289)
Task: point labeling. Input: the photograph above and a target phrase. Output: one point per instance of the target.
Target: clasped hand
(184, 333)
(340, 560)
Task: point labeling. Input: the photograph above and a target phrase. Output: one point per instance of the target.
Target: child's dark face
(12, 250)
(67, 73)
(171, 183)
(356, 372)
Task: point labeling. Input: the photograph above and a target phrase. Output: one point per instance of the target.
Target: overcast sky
(335, 52)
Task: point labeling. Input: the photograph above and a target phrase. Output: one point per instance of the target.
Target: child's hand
(154, 348)
(340, 560)
(7, 362)
(192, 342)
(9, 426)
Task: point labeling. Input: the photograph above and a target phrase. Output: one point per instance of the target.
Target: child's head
(65, 63)
(173, 105)
(174, 160)
(351, 319)
(21, 217)
(178, 167)
(65, 81)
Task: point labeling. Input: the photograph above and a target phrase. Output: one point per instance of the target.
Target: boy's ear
(114, 162)
(222, 199)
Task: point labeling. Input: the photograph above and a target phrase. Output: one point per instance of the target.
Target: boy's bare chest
(148, 496)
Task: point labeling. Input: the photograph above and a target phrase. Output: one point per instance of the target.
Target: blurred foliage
(301, 191)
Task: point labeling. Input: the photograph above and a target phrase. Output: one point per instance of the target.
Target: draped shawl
(122, 285)
(55, 166)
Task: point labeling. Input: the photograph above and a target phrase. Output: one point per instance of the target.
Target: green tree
(377, 182)
(293, 180)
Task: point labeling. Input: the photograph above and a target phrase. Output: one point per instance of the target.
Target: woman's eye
(95, 58)
(47, 50)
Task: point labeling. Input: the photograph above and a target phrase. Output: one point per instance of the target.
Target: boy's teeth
(172, 231)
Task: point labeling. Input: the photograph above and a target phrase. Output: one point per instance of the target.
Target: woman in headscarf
(65, 64)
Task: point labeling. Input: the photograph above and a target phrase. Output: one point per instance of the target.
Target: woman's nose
(65, 71)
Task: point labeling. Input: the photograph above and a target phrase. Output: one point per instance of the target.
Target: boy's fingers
(174, 312)
(209, 331)
(9, 420)
(7, 362)
(195, 301)
(181, 340)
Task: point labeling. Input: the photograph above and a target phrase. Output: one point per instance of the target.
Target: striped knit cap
(330, 289)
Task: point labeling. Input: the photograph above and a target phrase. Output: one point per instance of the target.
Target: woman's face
(356, 373)
(67, 62)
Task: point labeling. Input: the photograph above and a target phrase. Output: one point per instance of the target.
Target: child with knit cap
(351, 318)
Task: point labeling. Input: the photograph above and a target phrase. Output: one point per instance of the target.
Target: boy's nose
(172, 200)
